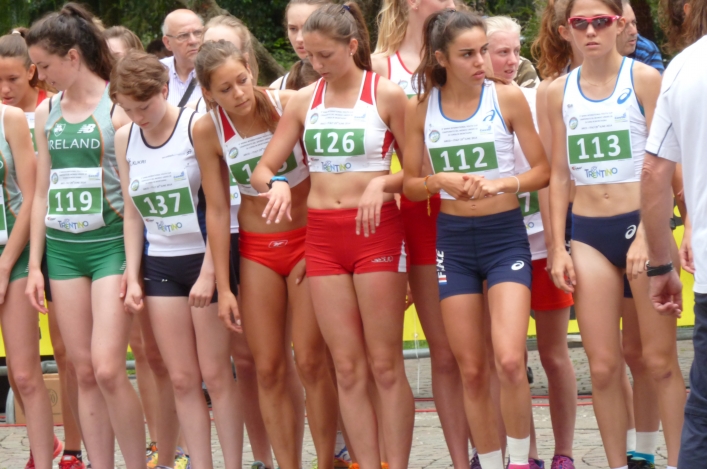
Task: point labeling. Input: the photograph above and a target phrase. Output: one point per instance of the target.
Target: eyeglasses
(581, 23)
(183, 37)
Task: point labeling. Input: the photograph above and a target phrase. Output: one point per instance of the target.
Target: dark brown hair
(695, 22)
(211, 56)
(440, 29)
(73, 28)
(139, 75)
(550, 49)
(14, 46)
(129, 38)
(302, 2)
(243, 34)
(343, 23)
(301, 74)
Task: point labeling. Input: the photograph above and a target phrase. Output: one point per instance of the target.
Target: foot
(151, 455)
(258, 465)
(536, 463)
(181, 461)
(71, 462)
(640, 464)
(475, 463)
(562, 462)
(342, 459)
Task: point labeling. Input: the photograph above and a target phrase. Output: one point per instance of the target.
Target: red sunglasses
(581, 23)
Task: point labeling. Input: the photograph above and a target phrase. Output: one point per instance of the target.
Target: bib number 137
(74, 201)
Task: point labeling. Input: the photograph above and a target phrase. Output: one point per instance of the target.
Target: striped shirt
(648, 53)
(177, 87)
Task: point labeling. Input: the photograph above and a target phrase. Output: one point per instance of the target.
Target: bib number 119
(75, 201)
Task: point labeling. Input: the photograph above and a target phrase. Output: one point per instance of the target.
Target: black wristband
(658, 270)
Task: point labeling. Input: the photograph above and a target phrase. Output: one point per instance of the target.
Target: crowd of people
(254, 240)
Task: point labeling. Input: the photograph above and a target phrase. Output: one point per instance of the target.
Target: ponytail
(392, 24)
(343, 23)
(550, 49)
(211, 56)
(73, 28)
(301, 74)
(440, 29)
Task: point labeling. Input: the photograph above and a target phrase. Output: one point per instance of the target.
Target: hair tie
(347, 8)
(16, 32)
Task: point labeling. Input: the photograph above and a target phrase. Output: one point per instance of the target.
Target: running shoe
(58, 448)
(562, 462)
(475, 463)
(71, 462)
(182, 462)
(151, 455)
(640, 464)
(258, 465)
(384, 465)
(536, 463)
(354, 465)
(342, 459)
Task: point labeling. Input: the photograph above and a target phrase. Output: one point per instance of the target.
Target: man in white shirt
(679, 135)
(183, 32)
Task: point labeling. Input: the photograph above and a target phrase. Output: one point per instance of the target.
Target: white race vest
(528, 201)
(606, 138)
(400, 75)
(480, 145)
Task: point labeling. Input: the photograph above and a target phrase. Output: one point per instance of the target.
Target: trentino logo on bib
(233, 153)
(180, 177)
(625, 94)
(95, 176)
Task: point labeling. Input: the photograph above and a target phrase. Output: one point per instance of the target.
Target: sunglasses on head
(581, 23)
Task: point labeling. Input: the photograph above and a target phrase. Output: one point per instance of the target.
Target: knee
(633, 355)
(387, 370)
(217, 378)
(109, 376)
(660, 365)
(443, 362)
(85, 374)
(245, 367)
(475, 375)
(311, 367)
(605, 371)
(185, 382)
(350, 373)
(59, 350)
(511, 368)
(271, 372)
(27, 382)
(154, 360)
(555, 362)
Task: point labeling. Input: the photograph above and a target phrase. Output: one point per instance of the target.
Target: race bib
(477, 158)
(243, 158)
(3, 218)
(165, 202)
(75, 200)
(334, 142)
(233, 186)
(530, 208)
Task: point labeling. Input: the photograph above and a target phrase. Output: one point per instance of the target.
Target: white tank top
(400, 75)
(242, 154)
(480, 144)
(606, 138)
(339, 140)
(164, 186)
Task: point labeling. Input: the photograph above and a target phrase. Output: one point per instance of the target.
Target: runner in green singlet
(78, 209)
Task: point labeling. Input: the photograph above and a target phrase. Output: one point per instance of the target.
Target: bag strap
(187, 94)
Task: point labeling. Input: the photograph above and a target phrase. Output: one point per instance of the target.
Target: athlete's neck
(461, 94)
(28, 103)
(601, 69)
(347, 81)
(576, 59)
(248, 125)
(411, 46)
(159, 134)
(87, 88)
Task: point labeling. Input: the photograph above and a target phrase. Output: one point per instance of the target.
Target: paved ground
(429, 450)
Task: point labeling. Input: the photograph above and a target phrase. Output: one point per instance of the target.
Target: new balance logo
(278, 244)
(87, 129)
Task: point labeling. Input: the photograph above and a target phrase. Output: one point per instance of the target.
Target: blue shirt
(648, 53)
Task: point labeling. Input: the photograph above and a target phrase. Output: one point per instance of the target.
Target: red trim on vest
(367, 91)
(388, 141)
(41, 96)
(228, 130)
(318, 94)
(390, 67)
(402, 64)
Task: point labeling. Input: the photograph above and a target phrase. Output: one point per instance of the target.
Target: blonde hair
(507, 24)
(243, 34)
(392, 24)
(129, 38)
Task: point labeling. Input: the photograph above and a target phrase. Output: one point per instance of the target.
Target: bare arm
(657, 207)
(414, 180)
(20, 140)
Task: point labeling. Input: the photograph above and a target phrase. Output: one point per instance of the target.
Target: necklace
(247, 132)
(598, 85)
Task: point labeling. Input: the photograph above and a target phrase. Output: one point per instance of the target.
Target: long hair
(549, 49)
(441, 28)
(392, 24)
(211, 56)
(343, 23)
(14, 46)
(301, 74)
(139, 75)
(243, 34)
(73, 28)
(696, 22)
(129, 38)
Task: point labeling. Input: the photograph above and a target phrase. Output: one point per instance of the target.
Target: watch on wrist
(276, 179)
(658, 270)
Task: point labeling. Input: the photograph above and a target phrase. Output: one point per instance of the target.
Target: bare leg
(145, 380)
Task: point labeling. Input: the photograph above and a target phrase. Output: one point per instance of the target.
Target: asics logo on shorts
(380, 260)
(518, 265)
(278, 244)
(630, 231)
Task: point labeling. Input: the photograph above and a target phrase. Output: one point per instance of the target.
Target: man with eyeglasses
(182, 32)
(633, 45)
